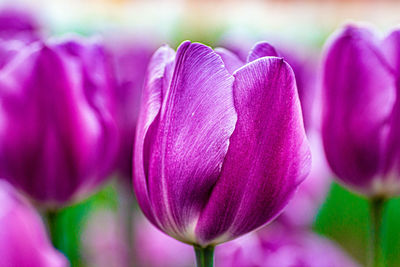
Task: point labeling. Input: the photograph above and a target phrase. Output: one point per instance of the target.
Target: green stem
(51, 217)
(204, 256)
(377, 206)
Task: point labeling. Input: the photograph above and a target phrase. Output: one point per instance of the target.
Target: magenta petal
(23, 237)
(151, 104)
(358, 97)
(391, 48)
(268, 154)
(261, 49)
(231, 61)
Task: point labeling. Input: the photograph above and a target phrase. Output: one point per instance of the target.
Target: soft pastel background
(343, 217)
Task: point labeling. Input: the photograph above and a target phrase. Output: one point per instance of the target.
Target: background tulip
(156, 249)
(130, 57)
(275, 246)
(360, 119)
(209, 164)
(359, 94)
(17, 29)
(58, 138)
(23, 238)
(18, 23)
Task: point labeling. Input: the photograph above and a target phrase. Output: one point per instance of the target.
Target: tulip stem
(51, 217)
(377, 206)
(204, 256)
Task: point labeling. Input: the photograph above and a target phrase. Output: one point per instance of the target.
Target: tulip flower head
(58, 138)
(361, 110)
(23, 237)
(220, 146)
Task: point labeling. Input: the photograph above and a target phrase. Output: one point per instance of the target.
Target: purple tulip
(23, 238)
(217, 154)
(18, 23)
(58, 138)
(17, 29)
(276, 246)
(360, 110)
(130, 59)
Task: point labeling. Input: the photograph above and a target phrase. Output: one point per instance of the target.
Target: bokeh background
(343, 216)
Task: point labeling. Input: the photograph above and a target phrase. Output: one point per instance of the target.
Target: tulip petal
(196, 120)
(391, 48)
(231, 61)
(268, 154)
(358, 96)
(261, 49)
(151, 104)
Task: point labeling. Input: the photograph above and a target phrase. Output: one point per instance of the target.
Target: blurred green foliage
(70, 221)
(344, 218)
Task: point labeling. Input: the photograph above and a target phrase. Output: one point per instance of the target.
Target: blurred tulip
(130, 59)
(17, 29)
(103, 241)
(9, 49)
(58, 138)
(23, 238)
(361, 112)
(275, 246)
(18, 23)
(156, 249)
(217, 155)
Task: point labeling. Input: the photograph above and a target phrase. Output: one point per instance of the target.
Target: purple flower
(58, 138)
(18, 23)
(361, 111)
(17, 29)
(9, 49)
(217, 154)
(277, 246)
(130, 59)
(23, 238)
